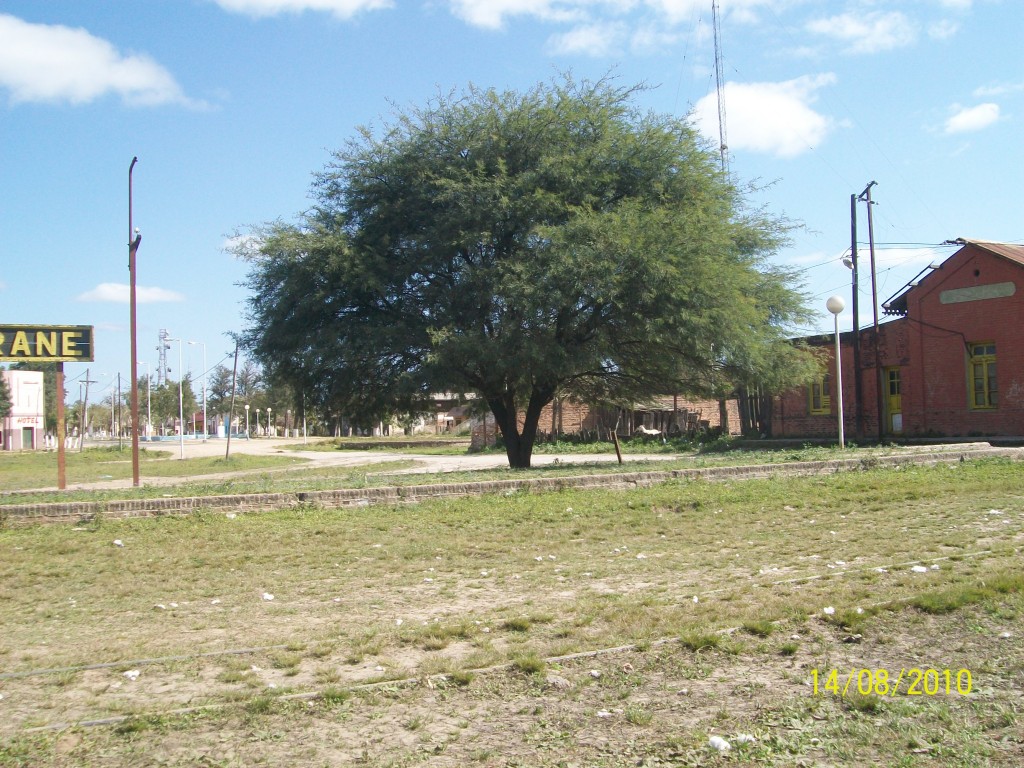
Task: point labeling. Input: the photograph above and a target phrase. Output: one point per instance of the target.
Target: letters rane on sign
(67, 343)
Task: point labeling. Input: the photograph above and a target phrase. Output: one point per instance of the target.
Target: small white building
(22, 430)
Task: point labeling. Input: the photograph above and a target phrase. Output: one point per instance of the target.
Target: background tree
(165, 403)
(248, 387)
(523, 246)
(218, 390)
(5, 398)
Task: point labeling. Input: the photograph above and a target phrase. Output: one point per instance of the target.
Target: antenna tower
(161, 367)
(723, 146)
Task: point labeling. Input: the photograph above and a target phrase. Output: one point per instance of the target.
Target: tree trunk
(519, 445)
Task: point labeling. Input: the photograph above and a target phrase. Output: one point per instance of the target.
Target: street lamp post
(835, 305)
(271, 430)
(134, 239)
(181, 404)
(246, 421)
(206, 429)
(257, 422)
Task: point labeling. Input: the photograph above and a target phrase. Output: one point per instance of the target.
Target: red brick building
(950, 364)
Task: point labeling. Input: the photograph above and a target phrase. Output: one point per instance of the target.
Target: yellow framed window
(820, 395)
(981, 374)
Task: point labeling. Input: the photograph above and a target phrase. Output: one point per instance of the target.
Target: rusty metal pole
(62, 479)
(134, 239)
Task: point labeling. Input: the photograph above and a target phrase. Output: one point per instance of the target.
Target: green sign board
(46, 343)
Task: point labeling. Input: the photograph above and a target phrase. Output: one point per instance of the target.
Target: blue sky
(232, 105)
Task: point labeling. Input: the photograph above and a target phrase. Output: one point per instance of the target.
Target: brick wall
(929, 347)
(568, 417)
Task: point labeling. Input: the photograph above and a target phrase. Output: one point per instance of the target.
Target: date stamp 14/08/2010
(909, 681)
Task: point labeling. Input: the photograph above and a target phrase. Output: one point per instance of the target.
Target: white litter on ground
(717, 742)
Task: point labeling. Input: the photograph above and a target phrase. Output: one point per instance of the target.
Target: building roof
(897, 303)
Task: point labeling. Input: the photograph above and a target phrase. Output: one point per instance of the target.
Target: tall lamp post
(246, 421)
(270, 423)
(206, 430)
(181, 405)
(134, 239)
(835, 305)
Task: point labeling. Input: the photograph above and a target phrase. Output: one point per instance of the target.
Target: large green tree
(521, 246)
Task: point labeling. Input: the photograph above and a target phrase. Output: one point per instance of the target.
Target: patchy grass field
(287, 470)
(37, 469)
(578, 628)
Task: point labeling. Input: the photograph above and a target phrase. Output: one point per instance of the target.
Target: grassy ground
(37, 469)
(206, 476)
(711, 598)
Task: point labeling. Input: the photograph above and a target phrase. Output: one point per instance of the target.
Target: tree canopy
(523, 246)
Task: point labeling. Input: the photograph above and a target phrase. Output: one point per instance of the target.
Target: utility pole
(858, 404)
(85, 411)
(865, 196)
(134, 239)
(62, 482)
(231, 408)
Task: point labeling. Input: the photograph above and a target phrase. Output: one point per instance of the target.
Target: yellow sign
(46, 343)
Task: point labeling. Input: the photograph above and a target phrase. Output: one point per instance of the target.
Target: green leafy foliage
(5, 398)
(521, 246)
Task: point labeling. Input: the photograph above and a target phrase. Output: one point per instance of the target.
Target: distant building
(665, 415)
(22, 430)
(951, 363)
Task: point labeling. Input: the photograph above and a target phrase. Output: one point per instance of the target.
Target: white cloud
(773, 118)
(867, 32)
(589, 39)
(943, 30)
(342, 9)
(968, 119)
(680, 11)
(53, 63)
(119, 293)
(491, 14)
(652, 37)
(988, 91)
